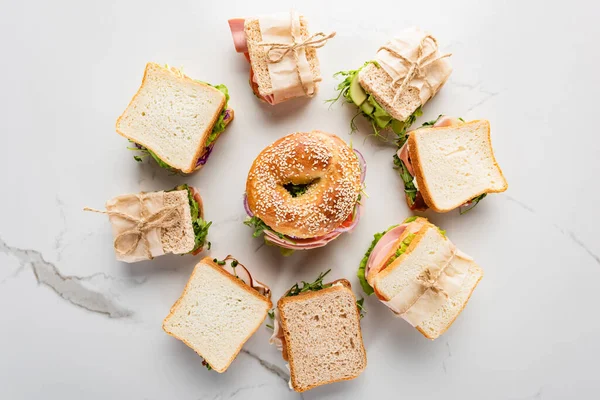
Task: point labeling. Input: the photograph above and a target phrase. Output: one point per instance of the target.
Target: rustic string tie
(427, 280)
(315, 41)
(164, 218)
(415, 68)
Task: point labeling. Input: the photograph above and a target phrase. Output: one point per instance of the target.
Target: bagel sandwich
(262, 40)
(417, 272)
(148, 225)
(175, 119)
(391, 90)
(317, 328)
(304, 190)
(447, 164)
(220, 308)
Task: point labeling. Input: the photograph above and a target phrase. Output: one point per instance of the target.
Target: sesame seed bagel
(320, 160)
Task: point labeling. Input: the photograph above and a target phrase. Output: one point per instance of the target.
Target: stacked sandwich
(174, 119)
(317, 329)
(220, 308)
(448, 163)
(416, 271)
(391, 89)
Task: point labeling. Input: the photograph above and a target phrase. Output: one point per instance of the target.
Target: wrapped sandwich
(420, 275)
(282, 55)
(391, 89)
(148, 225)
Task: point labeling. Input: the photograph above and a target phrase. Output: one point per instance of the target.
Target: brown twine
(315, 41)
(426, 279)
(163, 218)
(415, 68)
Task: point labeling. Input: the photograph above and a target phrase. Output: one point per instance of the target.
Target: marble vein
(578, 242)
(571, 235)
(91, 293)
(447, 357)
(272, 368)
(521, 204)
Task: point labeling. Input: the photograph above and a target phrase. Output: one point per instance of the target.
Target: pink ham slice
(384, 246)
(236, 25)
(381, 250)
(403, 155)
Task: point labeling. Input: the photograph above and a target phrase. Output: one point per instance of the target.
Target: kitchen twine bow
(415, 68)
(315, 41)
(426, 279)
(166, 217)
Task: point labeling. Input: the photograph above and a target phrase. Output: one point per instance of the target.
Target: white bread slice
(216, 314)
(172, 115)
(455, 164)
(258, 55)
(441, 320)
(322, 336)
(179, 238)
(378, 83)
(428, 250)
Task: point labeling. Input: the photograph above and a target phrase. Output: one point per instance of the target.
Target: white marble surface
(76, 324)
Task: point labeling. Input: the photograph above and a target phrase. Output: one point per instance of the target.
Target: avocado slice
(382, 118)
(357, 93)
(367, 108)
(397, 126)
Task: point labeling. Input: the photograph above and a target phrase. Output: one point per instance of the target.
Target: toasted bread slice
(444, 316)
(455, 164)
(428, 250)
(258, 56)
(322, 336)
(216, 314)
(171, 115)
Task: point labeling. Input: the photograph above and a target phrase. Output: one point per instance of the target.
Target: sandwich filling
(431, 289)
(224, 118)
(406, 171)
(288, 244)
(351, 90)
(198, 223)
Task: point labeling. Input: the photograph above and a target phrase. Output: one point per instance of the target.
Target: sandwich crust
(320, 160)
(346, 286)
(422, 183)
(156, 68)
(209, 261)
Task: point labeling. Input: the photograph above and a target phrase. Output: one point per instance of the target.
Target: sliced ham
(381, 252)
(236, 25)
(242, 273)
(320, 241)
(447, 121)
(403, 155)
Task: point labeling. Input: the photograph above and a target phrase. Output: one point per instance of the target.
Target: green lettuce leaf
(219, 126)
(402, 249)
(380, 119)
(199, 224)
(368, 289)
(409, 186)
(474, 201)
